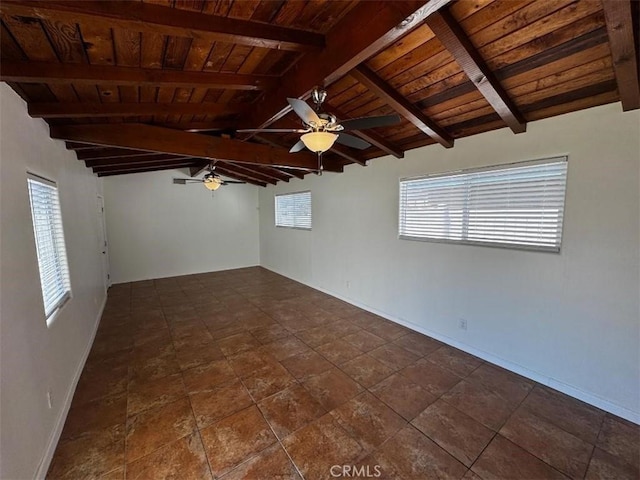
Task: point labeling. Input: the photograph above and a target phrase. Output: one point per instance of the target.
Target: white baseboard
(41, 473)
(570, 390)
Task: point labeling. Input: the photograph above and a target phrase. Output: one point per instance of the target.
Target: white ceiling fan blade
(297, 147)
(304, 111)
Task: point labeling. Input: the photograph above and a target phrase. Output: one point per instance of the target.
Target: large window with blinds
(293, 210)
(50, 248)
(519, 206)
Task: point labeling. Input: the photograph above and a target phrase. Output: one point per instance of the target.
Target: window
(519, 206)
(52, 255)
(294, 210)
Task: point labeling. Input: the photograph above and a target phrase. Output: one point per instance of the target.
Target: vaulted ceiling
(159, 84)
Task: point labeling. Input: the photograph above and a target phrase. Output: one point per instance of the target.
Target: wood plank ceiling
(158, 84)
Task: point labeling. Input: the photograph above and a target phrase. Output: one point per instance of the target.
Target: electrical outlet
(462, 324)
(50, 399)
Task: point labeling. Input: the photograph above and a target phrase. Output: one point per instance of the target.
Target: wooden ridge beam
(102, 153)
(180, 162)
(366, 29)
(138, 136)
(167, 21)
(107, 162)
(135, 169)
(619, 21)
(85, 110)
(401, 105)
(465, 54)
(57, 73)
(370, 136)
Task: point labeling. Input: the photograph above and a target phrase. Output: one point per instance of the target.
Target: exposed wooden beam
(161, 20)
(85, 110)
(198, 169)
(247, 172)
(270, 172)
(134, 169)
(401, 105)
(107, 162)
(80, 146)
(102, 153)
(456, 41)
(137, 136)
(227, 172)
(56, 73)
(201, 126)
(348, 154)
(292, 172)
(366, 29)
(619, 20)
(370, 136)
(114, 168)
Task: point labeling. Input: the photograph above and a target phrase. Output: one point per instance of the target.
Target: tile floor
(246, 374)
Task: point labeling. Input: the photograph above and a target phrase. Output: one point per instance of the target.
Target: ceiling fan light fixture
(212, 183)
(319, 142)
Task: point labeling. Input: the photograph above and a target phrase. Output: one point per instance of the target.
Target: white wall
(570, 320)
(33, 357)
(157, 229)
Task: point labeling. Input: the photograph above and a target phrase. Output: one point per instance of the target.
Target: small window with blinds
(293, 210)
(50, 248)
(519, 206)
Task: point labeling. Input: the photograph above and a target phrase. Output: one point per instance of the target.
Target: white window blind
(50, 248)
(294, 210)
(521, 206)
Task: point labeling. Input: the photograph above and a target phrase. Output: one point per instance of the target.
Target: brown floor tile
(236, 438)
(510, 386)
(435, 379)
(290, 410)
(270, 333)
(541, 438)
(146, 395)
(332, 388)
(620, 439)
(572, 415)
(272, 463)
(182, 459)
(83, 458)
(156, 427)
(320, 445)
(205, 377)
(268, 380)
(317, 336)
(103, 420)
(219, 402)
(417, 343)
(457, 433)
(364, 340)
(101, 382)
(154, 367)
(393, 356)
(366, 370)
(117, 474)
(412, 456)
(368, 420)
(459, 362)
(405, 397)
(480, 403)
(190, 357)
(505, 460)
(604, 466)
(237, 343)
(338, 351)
(286, 347)
(307, 364)
(388, 330)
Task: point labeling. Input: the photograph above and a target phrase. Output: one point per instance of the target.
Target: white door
(103, 245)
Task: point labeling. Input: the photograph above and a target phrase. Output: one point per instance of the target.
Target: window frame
(511, 246)
(275, 207)
(61, 250)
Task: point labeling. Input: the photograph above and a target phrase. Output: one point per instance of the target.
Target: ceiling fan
(321, 130)
(211, 180)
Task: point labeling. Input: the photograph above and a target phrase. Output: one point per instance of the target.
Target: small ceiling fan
(321, 130)
(211, 180)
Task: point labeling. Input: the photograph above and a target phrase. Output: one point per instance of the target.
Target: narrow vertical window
(50, 247)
